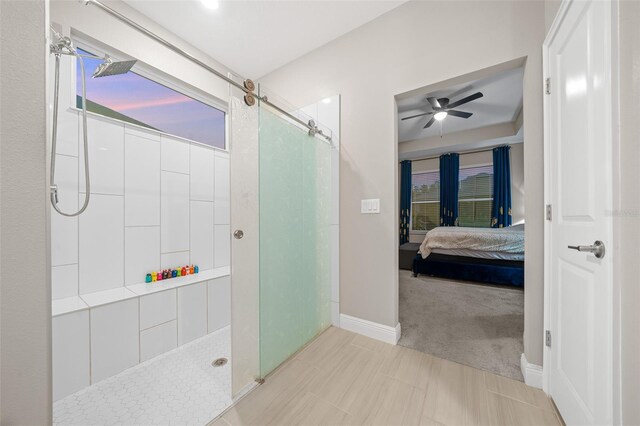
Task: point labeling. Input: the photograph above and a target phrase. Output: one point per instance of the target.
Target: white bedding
(498, 240)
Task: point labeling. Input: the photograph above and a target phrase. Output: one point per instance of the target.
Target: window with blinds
(475, 196)
(425, 201)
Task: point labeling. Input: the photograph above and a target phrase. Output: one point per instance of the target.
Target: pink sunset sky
(155, 105)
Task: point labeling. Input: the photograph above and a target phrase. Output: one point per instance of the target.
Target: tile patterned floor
(179, 387)
(342, 378)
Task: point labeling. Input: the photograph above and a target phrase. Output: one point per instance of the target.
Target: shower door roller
(238, 234)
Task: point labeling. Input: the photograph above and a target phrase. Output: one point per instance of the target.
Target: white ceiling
(501, 103)
(254, 38)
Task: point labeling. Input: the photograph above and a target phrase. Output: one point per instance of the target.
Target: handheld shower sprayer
(64, 46)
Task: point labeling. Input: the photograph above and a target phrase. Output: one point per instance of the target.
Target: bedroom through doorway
(461, 242)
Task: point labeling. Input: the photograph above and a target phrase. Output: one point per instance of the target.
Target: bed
(487, 255)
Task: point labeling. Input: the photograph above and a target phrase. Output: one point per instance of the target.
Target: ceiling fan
(442, 108)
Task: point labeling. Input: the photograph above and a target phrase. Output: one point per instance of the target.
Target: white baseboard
(532, 373)
(371, 329)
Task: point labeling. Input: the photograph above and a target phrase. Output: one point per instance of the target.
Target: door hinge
(547, 86)
(549, 213)
(547, 338)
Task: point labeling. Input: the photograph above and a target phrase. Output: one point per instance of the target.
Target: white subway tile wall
(158, 340)
(202, 233)
(101, 248)
(64, 230)
(219, 306)
(192, 313)
(158, 308)
(70, 353)
(155, 203)
(114, 339)
(111, 335)
(64, 281)
(170, 260)
(174, 212)
(222, 203)
(67, 137)
(142, 180)
(106, 153)
(202, 173)
(222, 246)
(175, 155)
(141, 252)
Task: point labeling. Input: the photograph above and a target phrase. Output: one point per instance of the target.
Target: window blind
(475, 196)
(425, 201)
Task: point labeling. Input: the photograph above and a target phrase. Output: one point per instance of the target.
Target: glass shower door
(281, 264)
(295, 252)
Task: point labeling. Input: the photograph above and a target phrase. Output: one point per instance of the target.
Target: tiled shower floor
(178, 387)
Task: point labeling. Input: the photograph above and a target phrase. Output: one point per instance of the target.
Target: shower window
(139, 100)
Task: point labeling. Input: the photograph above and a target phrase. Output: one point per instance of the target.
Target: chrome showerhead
(109, 67)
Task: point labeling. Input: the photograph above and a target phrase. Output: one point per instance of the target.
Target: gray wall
(392, 55)
(550, 9)
(25, 298)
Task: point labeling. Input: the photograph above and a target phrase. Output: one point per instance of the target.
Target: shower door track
(247, 87)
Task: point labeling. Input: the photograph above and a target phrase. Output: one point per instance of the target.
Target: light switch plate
(370, 206)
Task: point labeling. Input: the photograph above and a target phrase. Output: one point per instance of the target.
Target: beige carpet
(472, 324)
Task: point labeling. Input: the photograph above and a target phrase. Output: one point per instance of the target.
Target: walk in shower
(256, 211)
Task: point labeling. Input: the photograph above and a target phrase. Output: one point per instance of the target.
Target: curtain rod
(247, 88)
(461, 153)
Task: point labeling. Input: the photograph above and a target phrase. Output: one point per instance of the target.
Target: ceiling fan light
(440, 115)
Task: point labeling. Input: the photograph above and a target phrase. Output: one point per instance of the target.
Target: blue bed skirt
(490, 271)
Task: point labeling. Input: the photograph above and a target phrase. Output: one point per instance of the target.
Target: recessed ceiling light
(211, 4)
(440, 115)
(326, 101)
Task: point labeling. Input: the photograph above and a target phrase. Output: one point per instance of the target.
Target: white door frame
(616, 378)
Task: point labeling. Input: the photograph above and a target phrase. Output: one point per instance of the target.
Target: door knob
(597, 249)
(238, 234)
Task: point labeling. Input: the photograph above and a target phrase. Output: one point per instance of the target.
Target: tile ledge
(149, 288)
(105, 297)
(99, 298)
(67, 305)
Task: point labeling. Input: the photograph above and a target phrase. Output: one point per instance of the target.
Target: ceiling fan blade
(444, 102)
(417, 115)
(460, 114)
(429, 123)
(465, 100)
(434, 103)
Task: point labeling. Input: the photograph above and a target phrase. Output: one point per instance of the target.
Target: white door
(578, 62)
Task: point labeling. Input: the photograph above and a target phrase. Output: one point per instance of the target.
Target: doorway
(461, 253)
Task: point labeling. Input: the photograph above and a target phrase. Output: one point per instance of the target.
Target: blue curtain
(501, 207)
(405, 200)
(449, 168)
